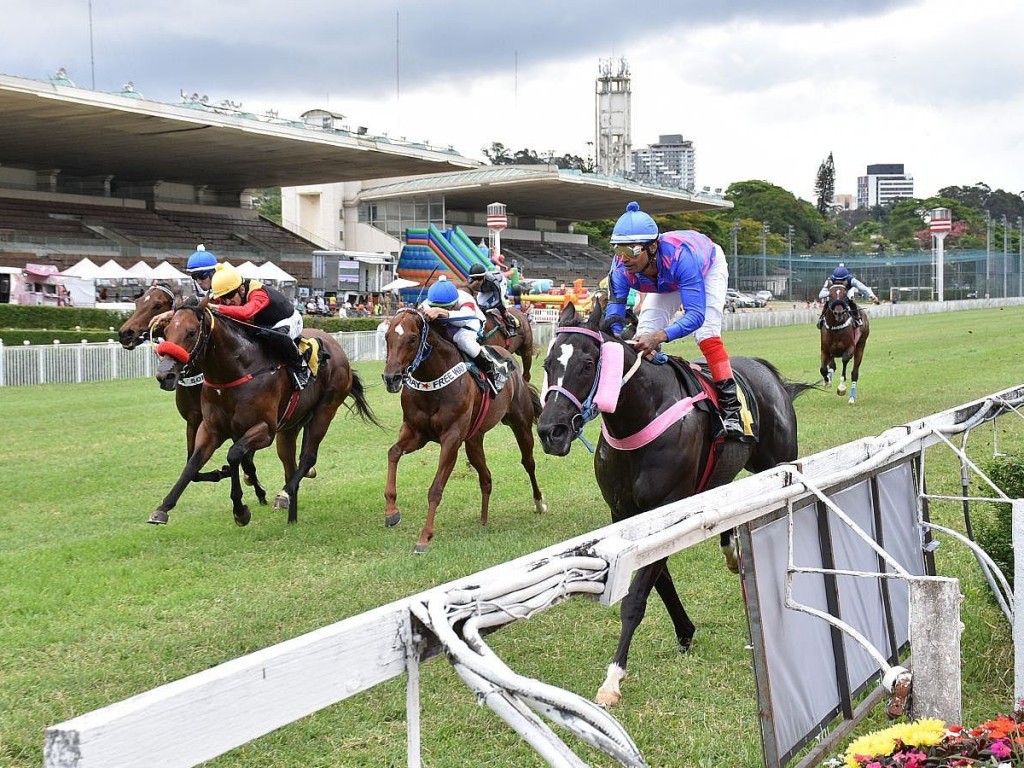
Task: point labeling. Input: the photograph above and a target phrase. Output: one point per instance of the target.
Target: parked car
(734, 299)
(762, 298)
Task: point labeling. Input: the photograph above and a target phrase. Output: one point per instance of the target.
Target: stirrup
(732, 426)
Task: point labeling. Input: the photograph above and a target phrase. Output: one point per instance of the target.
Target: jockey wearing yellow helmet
(249, 300)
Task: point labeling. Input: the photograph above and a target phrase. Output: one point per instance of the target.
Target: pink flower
(1000, 750)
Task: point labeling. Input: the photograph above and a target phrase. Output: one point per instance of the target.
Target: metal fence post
(1017, 527)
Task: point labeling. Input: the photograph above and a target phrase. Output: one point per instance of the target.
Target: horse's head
(570, 380)
(838, 303)
(185, 337)
(154, 301)
(407, 347)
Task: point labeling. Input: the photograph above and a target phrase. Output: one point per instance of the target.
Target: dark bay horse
(442, 403)
(841, 337)
(635, 477)
(248, 398)
(156, 300)
(521, 344)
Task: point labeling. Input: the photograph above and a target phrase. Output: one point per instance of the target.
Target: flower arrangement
(929, 743)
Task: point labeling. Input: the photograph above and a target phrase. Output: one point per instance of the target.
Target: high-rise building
(613, 108)
(670, 163)
(885, 183)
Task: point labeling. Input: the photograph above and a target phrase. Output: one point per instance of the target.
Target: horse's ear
(568, 316)
(598, 305)
(595, 317)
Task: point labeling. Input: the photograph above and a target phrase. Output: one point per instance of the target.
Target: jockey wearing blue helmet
(201, 266)
(842, 276)
(459, 312)
(675, 268)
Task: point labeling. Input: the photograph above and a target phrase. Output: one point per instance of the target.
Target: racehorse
(841, 337)
(638, 467)
(155, 301)
(248, 398)
(443, 402)
(521, 344)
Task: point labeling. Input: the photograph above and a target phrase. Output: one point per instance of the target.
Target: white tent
(270, 271)
(85, 269)
(164, 271)
(141, 270)
(111, 270)
(398, 283)
(249, 270)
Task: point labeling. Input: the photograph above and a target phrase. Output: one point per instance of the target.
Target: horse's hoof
(608, 699)
(390, 521)
(247, 479)
(158, 518)
(685, 643)
(540, 505)
(420, 549)
(852, 401)
(243, 516)
(282, 500)
(732, 557)
(311, 473)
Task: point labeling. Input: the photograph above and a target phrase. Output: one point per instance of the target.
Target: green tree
(268, 203)
(825, 185)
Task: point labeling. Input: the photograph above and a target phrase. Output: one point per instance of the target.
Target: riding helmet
(225, 280)
(840, 273)
(634, 226)
(440, 294)
(477, 270)
(200, 261)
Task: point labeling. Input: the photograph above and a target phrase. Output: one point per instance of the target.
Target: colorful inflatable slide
(431, 252)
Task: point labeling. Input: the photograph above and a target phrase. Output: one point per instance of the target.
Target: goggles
(203, 274)
(629, 251)
(229, 295)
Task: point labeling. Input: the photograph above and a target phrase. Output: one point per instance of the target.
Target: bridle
(424, 349)
(832, 305)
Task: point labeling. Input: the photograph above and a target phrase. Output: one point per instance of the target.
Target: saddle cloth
(696, 378)
(310, 349)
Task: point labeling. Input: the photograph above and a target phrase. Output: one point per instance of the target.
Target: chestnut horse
(442, 403)
(521, 344)
(154, 301)
(842, 337)
(639, 468)
(248, 398)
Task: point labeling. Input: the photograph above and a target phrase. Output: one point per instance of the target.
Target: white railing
(195, 719)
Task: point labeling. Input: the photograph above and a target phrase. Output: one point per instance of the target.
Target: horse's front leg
(841, 390)
(408, 441)
(258, 436)
(450, 443)
(205, 444)
(631, 613)
(855, 374)
(826, 369)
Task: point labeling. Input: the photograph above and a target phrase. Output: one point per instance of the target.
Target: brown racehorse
(155, 301)
(248, 398)
(442, 403)
(521, 344)
(842, 337)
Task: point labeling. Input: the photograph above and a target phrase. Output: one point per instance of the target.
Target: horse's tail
(793, 388)
(359, 403)
(535, 399)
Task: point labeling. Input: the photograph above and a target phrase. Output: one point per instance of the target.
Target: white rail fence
(207, 714)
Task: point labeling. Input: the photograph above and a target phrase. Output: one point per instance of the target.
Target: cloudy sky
(765, 90)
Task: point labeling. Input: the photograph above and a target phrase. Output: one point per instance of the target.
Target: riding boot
(298, 368)
(494, 367)
(821, 318)
(729, 404)
(510, 326)
(855, 313)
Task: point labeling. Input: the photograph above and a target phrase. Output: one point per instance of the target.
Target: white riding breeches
(659, 308)
(466, 340)
(293, 325)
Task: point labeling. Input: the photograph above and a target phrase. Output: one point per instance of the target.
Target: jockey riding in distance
(251, 301)
(457, 308)
(842, 276)
(681, 267)
(200, 266)
(488, 288)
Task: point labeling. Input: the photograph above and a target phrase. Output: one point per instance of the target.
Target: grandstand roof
(543, 192)
(88, 133)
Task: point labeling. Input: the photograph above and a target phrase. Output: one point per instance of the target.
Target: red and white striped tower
(496, 221)
(940, 223)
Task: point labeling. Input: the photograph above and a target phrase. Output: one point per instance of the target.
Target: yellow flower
(921, 733)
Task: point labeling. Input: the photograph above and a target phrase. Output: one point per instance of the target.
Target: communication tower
(614, 104)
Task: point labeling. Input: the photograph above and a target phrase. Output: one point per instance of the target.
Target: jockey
(251, 301)
(200, 267)
(488, 288)
(459, 310)
(681, 267)
(842, 276)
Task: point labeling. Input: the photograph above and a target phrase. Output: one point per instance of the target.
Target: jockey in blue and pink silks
(681, 267)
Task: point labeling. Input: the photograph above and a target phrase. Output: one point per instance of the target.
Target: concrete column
(935, 648)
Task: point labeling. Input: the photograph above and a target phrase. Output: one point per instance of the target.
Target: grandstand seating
(559, 262)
